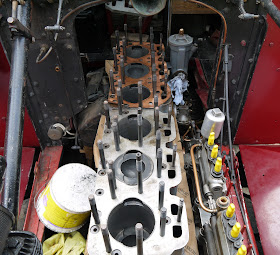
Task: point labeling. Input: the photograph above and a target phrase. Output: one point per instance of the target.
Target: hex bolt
(139, 238)
(158, 139)
(161, 194)
(163, 212)
(139, 169)
(174, 155)
(154, 69)
(124, 49)
(115, 59)
(156, 119)
(140, 30)
(119, 95)
(111, 166)
(111, 79)
(169, 115)
(117, 33)
(140, 94)
(125, 33)
(107, 114)
(159, 162)
(101, 154)
(106, 238)
(154, 81)
(116, 135)
(140, 129)
(93, 208)
(111, 183)
(122, 71)
(180, 210)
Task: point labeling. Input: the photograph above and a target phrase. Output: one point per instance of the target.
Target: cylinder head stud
(158, 139)
(107, 114)
(140, 94)
(101, 154)
(115, 59)
(235, 231)
(169, 115)
(122, 70)
(180, 210)
(154, 83)
(111, 183)
(140, 129)
(94, 211)
(139, 238)
(159, 162)
(117, 33)
(140, 30)
(163, 213)
(161, 194)
(156, 119)
(139, 169)
(106, 238)
(119, 96)
(174, 155)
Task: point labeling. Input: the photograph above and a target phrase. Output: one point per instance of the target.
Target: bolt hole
(99, 192)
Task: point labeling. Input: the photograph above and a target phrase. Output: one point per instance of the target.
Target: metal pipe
(154, 81)
(199, 197)
(154, 69)
(156, 119)
(180, 210)
(117, 33)
(124, 49)
(174, 155)
(14, 8)
(119, 95)
(116, 136)
(140, 30)
(3, 165)
(163, 212)
(125, 34)
(140, 94)
(106, 238)
(139, 169)
(139, 238)
(169, 115)
(272, 10)
(111, 166)
(140, 130)
(115, 59)
(101, 154)
(122, 71)
(94, 210)
(159, 162)
(111, 183)
(15, 115)
(107, 114)
(161, 194)
(158, 139)
(210, 241)
(112, 82)
(213, 221)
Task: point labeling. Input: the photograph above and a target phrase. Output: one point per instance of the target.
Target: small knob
(181, 31)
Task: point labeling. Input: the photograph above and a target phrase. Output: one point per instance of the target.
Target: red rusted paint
(45, 168)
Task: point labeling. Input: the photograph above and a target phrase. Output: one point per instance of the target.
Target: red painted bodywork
(29, 135)
(45, 168)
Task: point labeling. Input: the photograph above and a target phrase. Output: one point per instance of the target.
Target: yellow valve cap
(214, 152)
(235, 230)
(230, 210)
(242, 250)
(211, 138)
(218, 165)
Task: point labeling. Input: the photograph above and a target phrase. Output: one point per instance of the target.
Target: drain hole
(174, 209)
(171, 174)
(167, 132)
(129, 127)
(136, 52)
(130, 93)
(124, 217)
(177, 231)
(169, 158)
(136, 70)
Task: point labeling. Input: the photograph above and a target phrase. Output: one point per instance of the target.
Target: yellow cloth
(64, 244)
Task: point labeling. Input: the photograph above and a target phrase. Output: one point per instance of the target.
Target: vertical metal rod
(106, 238)
(159, 162)
(116, 136)
(152, 47)
(163, 212)
(124, 49)
(117, 33)
(151, 35)
(161, 194)
(140, 94)
(140, 30)
(111, 166)
(180, 210)
(94, 210)
(139, 169)
(119, 95)
(112, 83)
(111, 183)
(107, 114)
(165, 83)
(101, 154)
(14, 8)
(122, 71)
(153, 58)
(120, 86)
(162, 61)
(160, 42)
(140, 130)
(139, 110)
(174, 155)
(125, 33)
(155, 100)
(115, 59)
(158, 139)
(116, 119)
(156, 119)
(154, 69)
(15, 115)
(139, 238)
(169, 115)
(154, 81)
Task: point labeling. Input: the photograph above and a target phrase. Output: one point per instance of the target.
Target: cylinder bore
(136, 70)
(128, 127)
(130, 93)
(136, 51)
(124, 217)
(125, 167)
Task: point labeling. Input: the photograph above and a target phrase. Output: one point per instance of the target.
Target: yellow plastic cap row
(218, 165)
(214, 152)
(230, 210)
(235, 230)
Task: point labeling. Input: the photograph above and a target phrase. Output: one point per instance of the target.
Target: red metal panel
(29, 135)
(260, 121)
(262, 166)
(26, 165)
(45, 168)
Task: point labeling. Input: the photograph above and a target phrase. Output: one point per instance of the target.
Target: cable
(224, 36)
